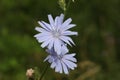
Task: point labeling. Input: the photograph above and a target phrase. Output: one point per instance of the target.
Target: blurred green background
(97, 45)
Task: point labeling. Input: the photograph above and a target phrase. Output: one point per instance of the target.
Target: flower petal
(66, 33)
(40, 29)
(44, 44)
(67, 57)
(57, 46)
(61, 18)
(65, 39)
(53, 65)
(51, 44)
(58, 67)
(56, 21)
(43, 25)
(46, 58)
(67, 22)
(47, 25)
(67, 27)
(71, 40)
(43, 38)
(64, 49)
(45, 33)
(70, 64)
(65, 68)
(50, 18)
(71, 55)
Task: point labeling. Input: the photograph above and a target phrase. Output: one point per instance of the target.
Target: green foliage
(97, 45)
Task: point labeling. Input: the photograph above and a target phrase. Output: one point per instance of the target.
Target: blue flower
(63, 62)
(56, 33)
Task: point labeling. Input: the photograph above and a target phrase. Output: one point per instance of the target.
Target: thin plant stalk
(68, 5)
(44, 72)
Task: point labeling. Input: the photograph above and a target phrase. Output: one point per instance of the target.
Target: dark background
(97, 45)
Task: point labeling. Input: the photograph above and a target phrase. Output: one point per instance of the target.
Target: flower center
(60, 56)
(56, 34)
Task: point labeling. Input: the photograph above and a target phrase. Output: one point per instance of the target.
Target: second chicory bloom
(55, 34)
(63, 62)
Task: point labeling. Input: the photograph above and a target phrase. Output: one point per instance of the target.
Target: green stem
(65, 11)
(44, 72)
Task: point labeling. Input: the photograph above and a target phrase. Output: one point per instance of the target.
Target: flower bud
(30, 73)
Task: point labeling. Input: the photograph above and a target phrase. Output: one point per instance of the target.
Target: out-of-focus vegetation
(97, 45)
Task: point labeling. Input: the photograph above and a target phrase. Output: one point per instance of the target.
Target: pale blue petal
(65, 39)
(42, 39)
(39, 35)
(67, 27)
(51, 44)
(53, 65)
(67, 22)
(61, 68)
(46, 58)
(58, 67)
(67, 57)
(61, 19)
(56, 21)
(50, 18)
(47, 25)
(64, 49)
(71, 40)
(65, 69)
(72, 59)
(57, 46)
(40, 29)
(70, 64)
(43, 25)
(70, 55)
(44, 44)
(51, 51)
(51, 59)
(42, 34)
(66, 33)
